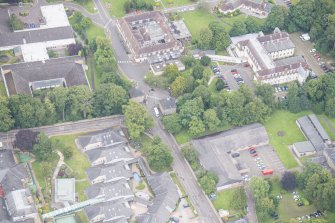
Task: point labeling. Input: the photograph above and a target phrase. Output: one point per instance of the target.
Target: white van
(305, 37)
(156, 112)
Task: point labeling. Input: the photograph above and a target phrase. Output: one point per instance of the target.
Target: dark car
(252, 151)
(234, 155)
(300, 204)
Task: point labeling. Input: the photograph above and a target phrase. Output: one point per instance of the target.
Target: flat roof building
(270, 56)
(149, 37)
(25, 78)
(65, 190)
(305, 148)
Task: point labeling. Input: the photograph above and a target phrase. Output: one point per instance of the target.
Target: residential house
(109, 173)
(167, 106)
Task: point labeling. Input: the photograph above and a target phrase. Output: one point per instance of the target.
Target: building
(180, 31)
(214, 151)
(14, 178)
(109, 173)
(103, 138)
(20, 205)
(159, 68)
(136, 95)
(109, 155)
(257, 8)
(65, 191)
(165, 200)
(270, 56)
(329, 154)
(167, 106)
(313, 131)
(45, 27)
(110, 191)
(25, 78)
(113, 211)
(148, 37)
(305, 148)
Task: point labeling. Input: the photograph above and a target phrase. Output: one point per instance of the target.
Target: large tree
(25, 139)
(260, 188)
(137, 119)
(6, 120)
(43, 148)
(211, 120)
(277, 18)
(172, 123)
(288, 181)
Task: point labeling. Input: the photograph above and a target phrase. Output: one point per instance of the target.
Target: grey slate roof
(331, 154)
(111, 191)
(4, 217)
(18, 77)
(304, 147)
(6, 159)
(109, 172)
(213, 150)
(167, 103)
(10, 38)
(165, 201)
(311, 132)
(110, 154)
(102, 138)
(319, 127)
(13, 178)
(279, 46)
(20, 203)
(112, 211)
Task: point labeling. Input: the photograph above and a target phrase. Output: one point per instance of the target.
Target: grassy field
(173, 3)
(94, 31)
(2, 89)
(116, 7)
(225, 199)
(78, 163)
(284, 122)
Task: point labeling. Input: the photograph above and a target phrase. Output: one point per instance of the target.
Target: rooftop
(213, 150)
(110, 172)
(331, 154)
(110, 154)
(304, 147)
(6, 159)
(13, 178)
(168, 103)
(20, 203)
(23, 78)
(65, 190)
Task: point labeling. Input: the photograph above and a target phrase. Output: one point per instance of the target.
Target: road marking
(126, 61)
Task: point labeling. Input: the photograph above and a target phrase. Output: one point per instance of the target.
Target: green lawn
(284, 121)
(94, 31)
(173, 3)
(2, 89)
(116, 7)
(225, 200)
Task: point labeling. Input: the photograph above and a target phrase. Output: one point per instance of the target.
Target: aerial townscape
(167, 111)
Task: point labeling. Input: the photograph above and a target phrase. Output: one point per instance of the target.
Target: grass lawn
(94, 31)
(116, 7)
(88, 5)
(2, 89)
(284, 122)
(173, 3)
(78, 163)
(176, 181)
(326, 126)
(225, 199)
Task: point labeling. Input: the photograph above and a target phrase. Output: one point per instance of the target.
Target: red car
(251, 148)
(234, 71)
(254, 155)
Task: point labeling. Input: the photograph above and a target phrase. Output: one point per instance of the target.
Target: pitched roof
(111, 191)
(111, 211)
(20, 203)
(168, 103)
(165, 201)
(4, 216)
(109, 172)
(111, 154)
(304, 147)
(19, 78)
(13, 178)
(6, 159)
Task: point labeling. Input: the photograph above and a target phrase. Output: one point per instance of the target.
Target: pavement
(245, 72)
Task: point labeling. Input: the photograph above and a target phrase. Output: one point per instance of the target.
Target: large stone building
(256, 8)
(270, 56)
(148, 37)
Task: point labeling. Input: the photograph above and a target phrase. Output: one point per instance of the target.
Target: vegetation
(25, 139)
(158, 155)
(288, 181)
(43, 148)
(6, 120)
(15, 23)
(133, 5)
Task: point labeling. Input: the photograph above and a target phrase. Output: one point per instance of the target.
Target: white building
(45, 27)
(270, 56)
(259, 8)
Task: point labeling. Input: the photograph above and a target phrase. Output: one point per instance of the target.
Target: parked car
(312, 50)
(254, 155)
(234, 155)
(252, 151)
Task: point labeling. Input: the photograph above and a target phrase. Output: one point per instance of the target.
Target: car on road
(234, 155)
(252, 151)
(254, 155)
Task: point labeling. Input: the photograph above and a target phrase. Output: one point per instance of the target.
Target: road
(137, 72)
(87, 125)
(251, 215)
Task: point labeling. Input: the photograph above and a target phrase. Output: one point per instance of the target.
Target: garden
(8, 57)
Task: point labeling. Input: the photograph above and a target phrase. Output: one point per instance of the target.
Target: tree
(239, 199)
(79, 102)
(43, 148)
(266, 93)
(190, 154)
(220, 84)
(6, 120)
(252, 26)
(221, 39)
(277, 18)
(59, 96)
(288, 181)
(208, 181)
(196, 126)
(264, 206)
(171, 72)
(205, 61)
(259, 187)
(330, 107)
(204, 93)
(205, 37)
(188, 61)
(189, 109)
(74, 49)
(158, 155)
(15, 23)
(239, 28)
(172, 123)
(25, 139)
(210, 119)
(293, 100)
(109, 99)
(198, 72)
(302, 16)
(178, 86)
(137, 119)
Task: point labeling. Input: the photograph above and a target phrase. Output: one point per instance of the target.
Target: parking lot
(266, 156)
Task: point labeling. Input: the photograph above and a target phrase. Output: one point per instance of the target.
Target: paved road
(87, 125)
(251, 215)
(137, 72)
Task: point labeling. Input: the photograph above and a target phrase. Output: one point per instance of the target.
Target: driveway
(245, 72)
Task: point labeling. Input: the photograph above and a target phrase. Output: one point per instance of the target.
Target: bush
(140, 186)
(16, 23)
(205, 61)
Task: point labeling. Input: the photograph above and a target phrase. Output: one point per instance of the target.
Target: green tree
(208, 181)
(198, 72)
(277, 18)
(80, 102)
(293, 98)
(211, 120)
(196, 126)
(252, 26)
(190, 108)
(190, 154)
(188, 61)
(137, 119)
(220, 84)
(205, 61)
(109, 99)
(172, 123)
(59, 96)
(264, 207)
(239, 199)
(301, 14)
(221, 39)
(43, 148)
(266, 93)
(204, 93)
(15, 23)
(178, 86)
(259, 187)
(205, 37)
(171, 72)
(239, 28)
(6, 120)
(158, 155)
